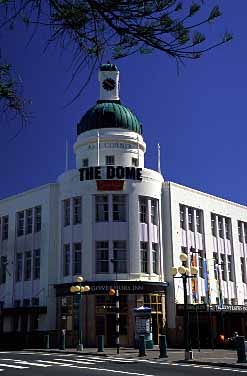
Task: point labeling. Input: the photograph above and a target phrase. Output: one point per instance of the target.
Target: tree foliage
(12, 102)
(114, 29)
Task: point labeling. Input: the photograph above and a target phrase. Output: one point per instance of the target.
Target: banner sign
(207, 282)
(110, 185)
(194, 282)
(110, 173)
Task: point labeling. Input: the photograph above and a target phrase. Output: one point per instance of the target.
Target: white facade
(59, 231)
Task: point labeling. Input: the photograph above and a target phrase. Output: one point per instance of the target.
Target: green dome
(109, 115)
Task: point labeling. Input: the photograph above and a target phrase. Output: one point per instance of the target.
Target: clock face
(109, 84)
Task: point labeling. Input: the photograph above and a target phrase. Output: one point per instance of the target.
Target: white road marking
(89, 362)
(12, 366)
(115, 359)
(56, 363)
(29, 363)
(93, 359)
(185, 365)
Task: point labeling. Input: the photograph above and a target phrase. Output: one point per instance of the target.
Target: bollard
(101, 343)
(163, 346)
(240, 347)
(47, 341)
(62, 343)
(142, 347)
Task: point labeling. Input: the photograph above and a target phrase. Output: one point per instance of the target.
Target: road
(49, 364)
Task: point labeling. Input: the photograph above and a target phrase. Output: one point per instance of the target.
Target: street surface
(41, 363)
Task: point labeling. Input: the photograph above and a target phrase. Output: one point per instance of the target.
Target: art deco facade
(111, 220)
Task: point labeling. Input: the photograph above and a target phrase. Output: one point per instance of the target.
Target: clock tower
(109, 83)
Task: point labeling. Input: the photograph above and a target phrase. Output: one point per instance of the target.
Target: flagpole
(98, 148)
(159, 158)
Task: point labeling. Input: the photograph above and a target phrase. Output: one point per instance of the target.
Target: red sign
(110, 185)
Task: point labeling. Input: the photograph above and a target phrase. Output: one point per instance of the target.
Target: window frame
(101, 208)
(144, 257)
(119, 208)
(77, 258)
(102, 256)
(110, 160)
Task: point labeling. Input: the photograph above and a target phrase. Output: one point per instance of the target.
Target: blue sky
(198, 116)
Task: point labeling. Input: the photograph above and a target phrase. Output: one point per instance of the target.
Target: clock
(109, 84)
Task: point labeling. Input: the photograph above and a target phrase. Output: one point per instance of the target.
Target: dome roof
(109, 115)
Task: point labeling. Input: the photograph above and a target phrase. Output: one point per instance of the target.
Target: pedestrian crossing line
(94, 359)
(78, 361)
(54, 363)
(27, 363)
(12, 366)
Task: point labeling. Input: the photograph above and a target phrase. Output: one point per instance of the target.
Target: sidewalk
(219, 357)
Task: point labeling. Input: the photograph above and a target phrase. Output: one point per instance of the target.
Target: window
(213, 224)
(203, 299)
(223, 266)
(120, 257)
(35, 301)
(37, 218)
(109, 160)
(29, 221)
(155, 258)
(143, 209)
(243, 271)
(66, 212)
(220, 226)
(5, 227)
(4, 264)
(154, 212)
(201, 257)
(26, 302)
(77, 258)
(27, 265)
(182, 216)
(217, 300)
(216, 262)
(245, 232)
(20, 223)
(76, 210)
(34, 321)
(240, 232)
(191, 219)
(144, 257)
(101, 202)
(199, 221)
(85, 162)
(135, 162)
(17, 303)
(119, 208)
(18, 267)
(228, 228)
(36, 264)
(66, 260)
(102, 257)
(229, 267)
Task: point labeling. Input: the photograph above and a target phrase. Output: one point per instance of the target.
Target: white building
(109, 220)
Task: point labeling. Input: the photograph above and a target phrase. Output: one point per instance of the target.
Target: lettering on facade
(110, 172)
(112, 145)
(230, 308)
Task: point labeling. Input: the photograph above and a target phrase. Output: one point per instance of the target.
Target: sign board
(110, 185)
(110, 173)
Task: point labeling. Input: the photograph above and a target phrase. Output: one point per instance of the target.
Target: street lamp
(79, 289)
(186, 273)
